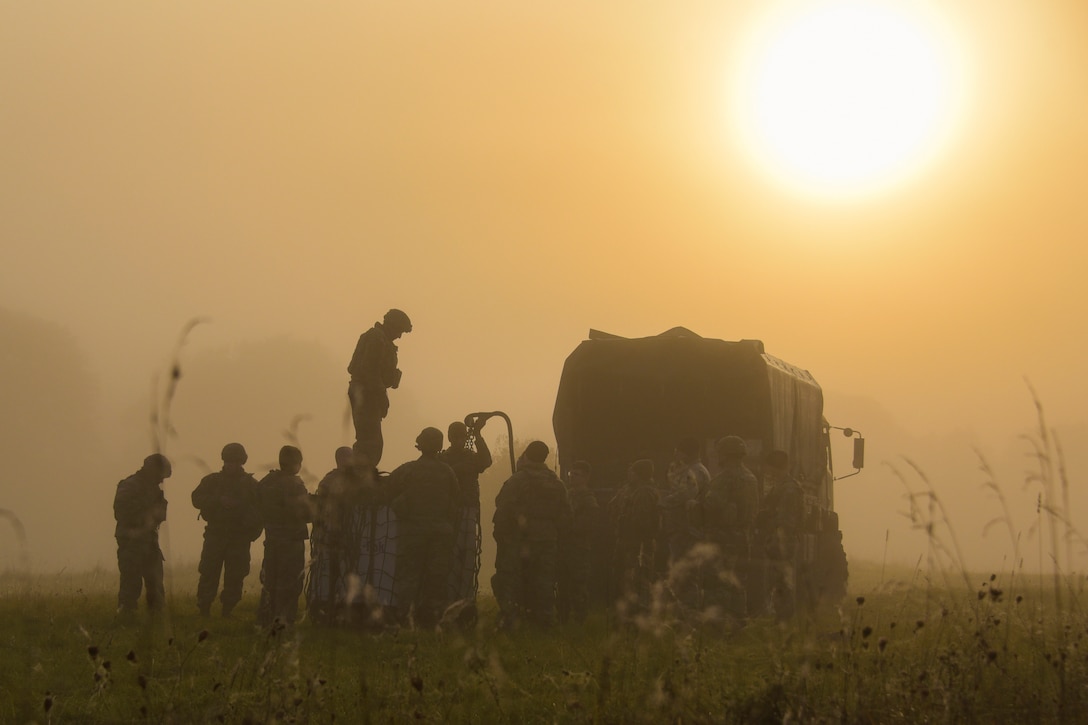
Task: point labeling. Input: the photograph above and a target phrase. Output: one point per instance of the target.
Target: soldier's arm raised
(483, 454)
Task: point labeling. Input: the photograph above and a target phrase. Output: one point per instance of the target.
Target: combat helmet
(732, 447)
(234, 453)
(397, 319)
(429, 440)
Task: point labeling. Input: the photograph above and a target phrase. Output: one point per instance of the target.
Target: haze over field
(511, 177)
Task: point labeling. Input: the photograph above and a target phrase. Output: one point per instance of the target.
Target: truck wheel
(831, 573)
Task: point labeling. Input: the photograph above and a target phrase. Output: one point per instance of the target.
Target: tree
(49, 440)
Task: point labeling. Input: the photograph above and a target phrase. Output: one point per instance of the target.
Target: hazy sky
(514, 174)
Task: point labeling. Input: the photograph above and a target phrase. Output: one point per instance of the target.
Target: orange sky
(513, 176)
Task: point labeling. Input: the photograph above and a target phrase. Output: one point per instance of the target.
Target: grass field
(901, 648)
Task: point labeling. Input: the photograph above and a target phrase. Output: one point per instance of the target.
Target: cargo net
(463, 580)
(352, 573)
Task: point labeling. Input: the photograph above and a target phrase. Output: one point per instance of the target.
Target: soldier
(780, 521)
(373, 370)
(227, 501)
(139, 507)
(687, 479)
(635, 525)
(576, 546)
(336, 541)
(729, 512)
(424, 497)
(332, 491)
(530, 510)
(285, 511)
(468, 456)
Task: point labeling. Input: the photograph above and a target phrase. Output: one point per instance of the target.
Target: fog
(511, 178)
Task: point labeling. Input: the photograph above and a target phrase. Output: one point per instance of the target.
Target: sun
(846, 98)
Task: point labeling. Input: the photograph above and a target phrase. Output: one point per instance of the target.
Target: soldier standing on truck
(227, 501)
(780, 519)
(285, 510)
(635, 525)
(374, 370)
(576, 546)
(468, 456)
(730, 507)
(530, 510)
(139, 507)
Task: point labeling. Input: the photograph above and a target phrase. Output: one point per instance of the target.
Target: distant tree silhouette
(263, 394)
(49, 439)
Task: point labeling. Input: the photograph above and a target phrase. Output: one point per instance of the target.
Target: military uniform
(340, 510)
(373, 370)
(468, 465)
(227, 501)
(465, 561)
(781, 517)
(139, 506)
(576, 554)
(285, 511)
(685, 483)
(424, 497)
(730, 508)
(530, 510)
(635, 524)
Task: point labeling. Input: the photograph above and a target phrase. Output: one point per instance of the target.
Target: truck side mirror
(859, 453)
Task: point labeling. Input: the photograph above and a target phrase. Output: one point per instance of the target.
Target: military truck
(622, 399)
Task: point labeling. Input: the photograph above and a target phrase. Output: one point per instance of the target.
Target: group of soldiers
(700, 541)
(427, 495)
(726, 544)
(435, 500)
(237, 508)
(693, 536)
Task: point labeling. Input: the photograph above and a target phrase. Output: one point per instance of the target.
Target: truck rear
(623, 399)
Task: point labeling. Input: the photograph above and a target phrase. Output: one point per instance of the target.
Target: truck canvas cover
(621, 399)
